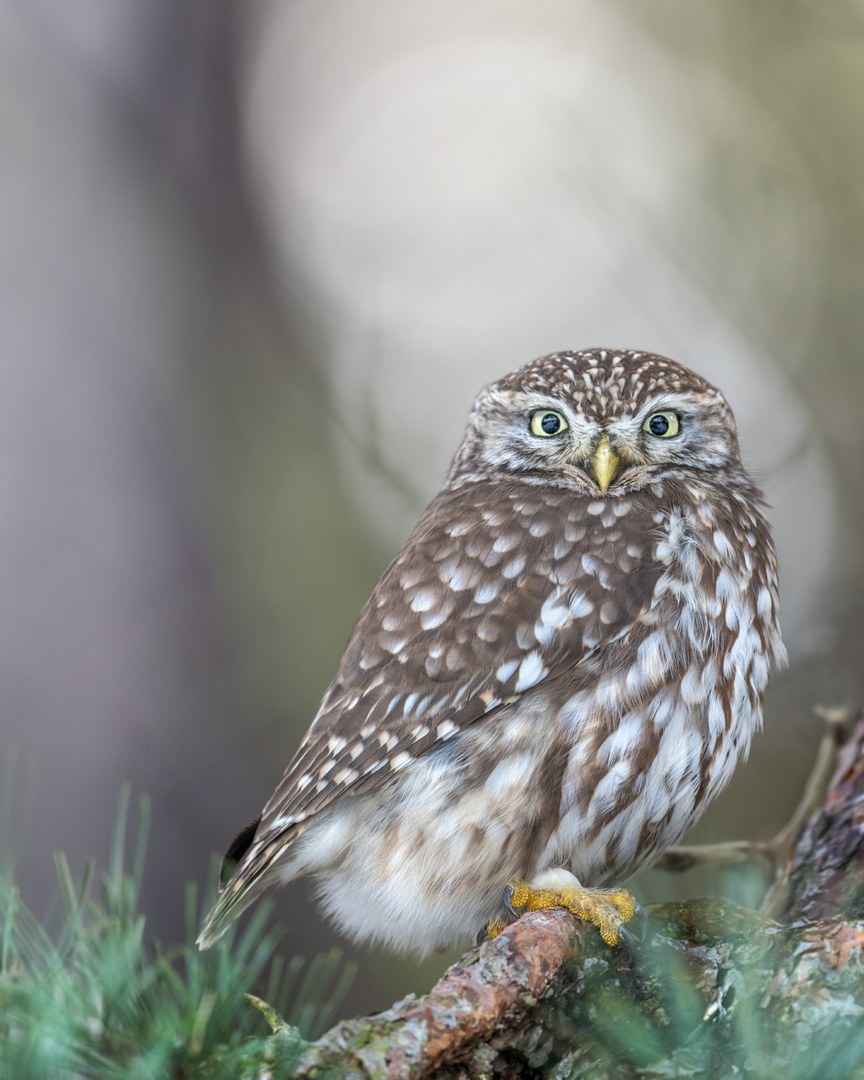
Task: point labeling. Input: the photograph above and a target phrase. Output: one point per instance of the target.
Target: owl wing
(499, 589)
(495, 591)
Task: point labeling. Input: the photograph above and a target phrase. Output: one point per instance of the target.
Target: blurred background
(256, 260)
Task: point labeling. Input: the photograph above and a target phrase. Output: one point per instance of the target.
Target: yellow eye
(662, 424)
(547, 422)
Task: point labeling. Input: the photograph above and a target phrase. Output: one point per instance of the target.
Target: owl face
(598, 422)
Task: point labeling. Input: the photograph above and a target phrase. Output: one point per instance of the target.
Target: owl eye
(547, 423)
(663, 424)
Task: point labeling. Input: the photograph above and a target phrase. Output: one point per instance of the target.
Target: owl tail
(247, 870)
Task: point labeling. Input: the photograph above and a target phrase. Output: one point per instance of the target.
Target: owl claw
(508, 896)
(628, 941)
(608, 909)
(640, 928)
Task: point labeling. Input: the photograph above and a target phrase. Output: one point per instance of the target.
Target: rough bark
(715, 989)
(826, 872)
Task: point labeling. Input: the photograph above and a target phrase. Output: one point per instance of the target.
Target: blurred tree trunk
(715, 990)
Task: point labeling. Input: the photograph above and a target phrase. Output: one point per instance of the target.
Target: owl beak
(604, 463)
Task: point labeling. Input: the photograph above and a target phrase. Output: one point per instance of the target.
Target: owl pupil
(659, 425)
(550, 423)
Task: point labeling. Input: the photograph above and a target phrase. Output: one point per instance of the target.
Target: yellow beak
(604, 463)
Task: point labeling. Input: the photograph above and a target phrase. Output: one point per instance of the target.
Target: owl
(551, 680)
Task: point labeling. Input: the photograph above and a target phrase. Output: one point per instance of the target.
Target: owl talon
(639, 929)
(628, 941)
(608, 909)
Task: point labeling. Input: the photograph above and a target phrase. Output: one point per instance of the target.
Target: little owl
(554, 676)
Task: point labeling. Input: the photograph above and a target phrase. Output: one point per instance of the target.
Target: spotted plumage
(560, 668)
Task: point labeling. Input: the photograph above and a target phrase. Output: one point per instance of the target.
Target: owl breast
(659, 733)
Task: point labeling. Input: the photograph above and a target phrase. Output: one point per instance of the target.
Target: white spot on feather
(346, 776)
(606, 793)
(531, 671)
(424, 599)
(759, 672)
(506, 670)
(579, 605)
(691, 686)
(721, 542)
(555, 612)
(716, 717)
(431, 620)
(727, 588)
(608, 613)
(505, 542)
(459, 575)
(655, 656)
(514, 567)
(621, 742)
(510, 773)
(409, 578)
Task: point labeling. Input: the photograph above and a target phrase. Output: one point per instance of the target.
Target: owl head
(601, 421)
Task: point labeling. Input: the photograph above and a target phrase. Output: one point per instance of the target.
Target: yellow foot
(493, 929)
(608, 909)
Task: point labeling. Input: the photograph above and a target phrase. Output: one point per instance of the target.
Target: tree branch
(492, 988)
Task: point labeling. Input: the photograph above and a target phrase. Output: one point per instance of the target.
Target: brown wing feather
(493, 592)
